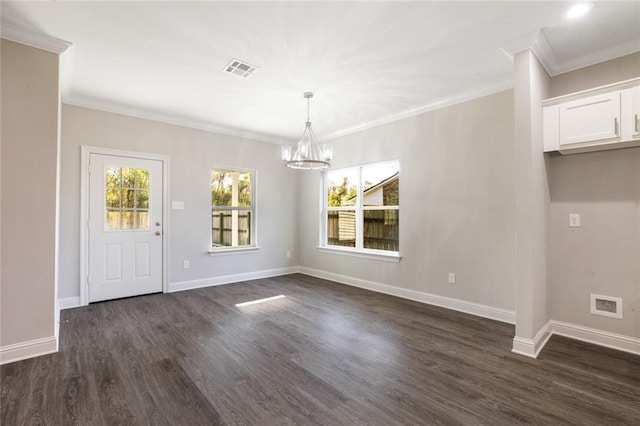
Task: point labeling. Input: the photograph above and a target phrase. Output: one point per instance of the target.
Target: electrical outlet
(574, 220)
(452, 278)
(186, 264)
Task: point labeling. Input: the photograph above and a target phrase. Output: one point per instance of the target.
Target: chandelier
(308, 154)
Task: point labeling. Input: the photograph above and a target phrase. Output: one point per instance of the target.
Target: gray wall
(603, 255)
(192, 154)
(30, 109)
(456, 202)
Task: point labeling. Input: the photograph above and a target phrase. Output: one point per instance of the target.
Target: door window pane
(142, 199)
(141, 218)
(112, 177)
(128, 197)
(113, 198)
(142, 178)
(127, 220)
(128, 178)
(113, 219)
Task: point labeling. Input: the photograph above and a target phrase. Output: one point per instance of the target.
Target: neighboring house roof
(374, 189)
(384, 182)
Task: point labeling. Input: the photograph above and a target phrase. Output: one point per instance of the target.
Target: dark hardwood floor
(326, 354)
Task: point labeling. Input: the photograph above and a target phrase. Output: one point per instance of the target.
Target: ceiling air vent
(606, 305)
(240, 68)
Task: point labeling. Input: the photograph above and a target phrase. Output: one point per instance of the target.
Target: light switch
(177, 205)
(574, 220)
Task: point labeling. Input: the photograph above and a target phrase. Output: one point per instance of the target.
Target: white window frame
(253, 243)
(358, 250)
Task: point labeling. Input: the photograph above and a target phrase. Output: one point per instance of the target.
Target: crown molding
(598, 57)
(166, 119)
(537, 42)
(27, 37)
(438, 104)
(162, 118)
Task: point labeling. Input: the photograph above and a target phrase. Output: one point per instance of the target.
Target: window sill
(362, 253)
(232, 250)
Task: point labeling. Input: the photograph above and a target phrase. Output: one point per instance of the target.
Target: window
(232, 208)
(126, 198)
(361, 207)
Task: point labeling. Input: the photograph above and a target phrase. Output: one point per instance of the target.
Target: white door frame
(85, 154)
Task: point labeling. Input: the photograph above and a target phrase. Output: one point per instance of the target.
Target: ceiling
(366, 62)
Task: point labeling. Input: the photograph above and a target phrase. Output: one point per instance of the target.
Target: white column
(531, 86)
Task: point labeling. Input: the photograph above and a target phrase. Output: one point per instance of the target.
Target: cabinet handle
(615, 126)
(635, 123)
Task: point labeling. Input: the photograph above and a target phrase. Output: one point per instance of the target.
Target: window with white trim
(232, 208)
(361, 208)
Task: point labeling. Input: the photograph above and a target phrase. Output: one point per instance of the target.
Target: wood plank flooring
(327, 354)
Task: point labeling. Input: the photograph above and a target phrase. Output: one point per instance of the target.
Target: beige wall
(192, 154)
(456, 202)
(29, 175)
(603, 255)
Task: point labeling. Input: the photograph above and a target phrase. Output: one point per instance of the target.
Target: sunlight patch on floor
(266, 299)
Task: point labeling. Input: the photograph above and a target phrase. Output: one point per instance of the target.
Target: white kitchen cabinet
(593, 120)
(589, 120)
(631, 103)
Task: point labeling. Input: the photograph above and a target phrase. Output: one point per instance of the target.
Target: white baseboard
(485, 311)
(228, 279)
(597, 337)
(29, 349)
(532, 347)
(69, 302)
(74, 302)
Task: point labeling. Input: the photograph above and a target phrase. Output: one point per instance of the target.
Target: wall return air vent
(606, 305)
(240, 68)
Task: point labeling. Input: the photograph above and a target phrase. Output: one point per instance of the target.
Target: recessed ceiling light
(240, 68)
(579, 10)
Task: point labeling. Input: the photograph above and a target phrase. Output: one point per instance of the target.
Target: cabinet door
(631, 114)
(593, 119)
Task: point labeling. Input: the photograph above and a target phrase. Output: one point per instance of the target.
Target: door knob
(158, 232)
(157, 223)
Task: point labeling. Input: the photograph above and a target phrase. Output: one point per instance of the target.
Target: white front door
(125, 226)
